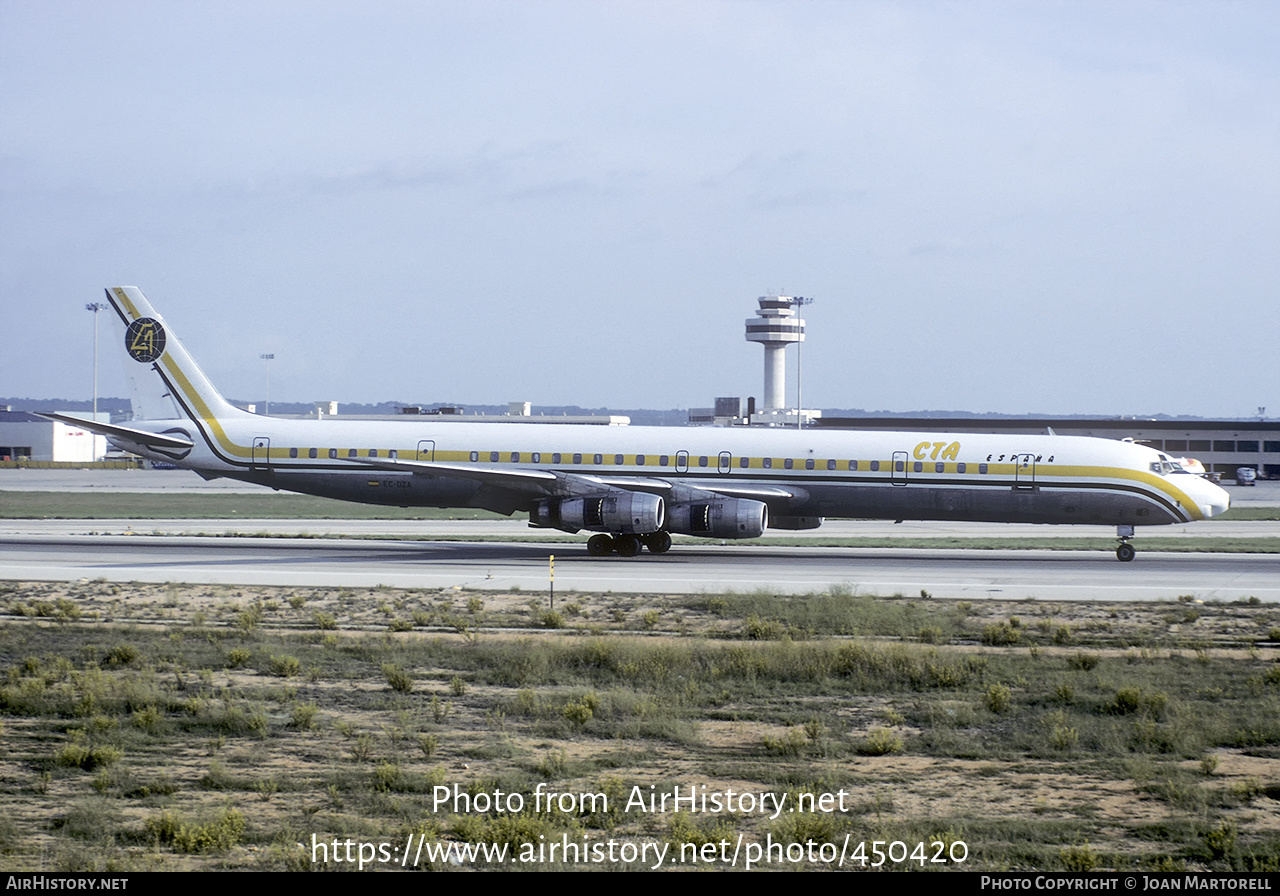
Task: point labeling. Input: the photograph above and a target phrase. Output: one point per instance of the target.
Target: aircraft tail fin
(165, 382)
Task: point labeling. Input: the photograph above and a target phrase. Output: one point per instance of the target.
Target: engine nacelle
(723, 518)
(633, 513)
(795, 522)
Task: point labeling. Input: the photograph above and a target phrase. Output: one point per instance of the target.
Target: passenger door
(898, 472)
(261, 452)
(1024, 474)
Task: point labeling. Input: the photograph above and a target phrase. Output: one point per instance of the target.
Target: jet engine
(722, 518)
(633, 513)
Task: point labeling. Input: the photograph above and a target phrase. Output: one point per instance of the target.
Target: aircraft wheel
(627, 545)
(599, 545)
(1125, 552)
(658, 542)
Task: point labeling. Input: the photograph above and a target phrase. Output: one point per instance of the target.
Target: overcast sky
(1013, 206)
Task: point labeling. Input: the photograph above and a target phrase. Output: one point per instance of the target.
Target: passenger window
(312, 453)
(940, 468)
(917, 467)
(788, 463)
(599, 458)
(744, 462)
(808, 463)
(333, 453)
(982, 468)
(393, 454)
(853, 465)
(617, 459)
(555, 458)
(373, 452)
(664, 460)
(639, 460)
(960, 468)
(536, 458)
(768, 463)
(515, 457)
(831, 465)
(351, 452)
(875, 466)
(702, 461)
(293, 452)
(475, 456)
(577, 458)
(493, 457)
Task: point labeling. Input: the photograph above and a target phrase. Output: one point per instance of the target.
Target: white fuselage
(833, 473)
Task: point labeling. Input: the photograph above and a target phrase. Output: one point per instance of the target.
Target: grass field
(209, 727)
(268, 505)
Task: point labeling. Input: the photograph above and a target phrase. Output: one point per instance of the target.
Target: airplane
(635, 486)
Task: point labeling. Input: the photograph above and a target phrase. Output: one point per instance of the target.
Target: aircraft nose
(1216, 501)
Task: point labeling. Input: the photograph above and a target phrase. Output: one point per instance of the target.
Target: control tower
(775, 327)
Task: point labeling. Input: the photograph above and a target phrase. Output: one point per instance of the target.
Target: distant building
(26, 436)
(1223, 446)
(517, 412)
(733, 411)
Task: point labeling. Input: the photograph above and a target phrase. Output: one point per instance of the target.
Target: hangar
(29, 437)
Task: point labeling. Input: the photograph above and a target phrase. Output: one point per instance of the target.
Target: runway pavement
(165, 550)
(1048, 575)
(517, 528)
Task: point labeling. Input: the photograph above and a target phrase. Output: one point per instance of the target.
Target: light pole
(798, 301)
(268, 359)
(95, 307)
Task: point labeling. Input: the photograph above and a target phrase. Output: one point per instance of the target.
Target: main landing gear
(628, 545)
(1125, 552)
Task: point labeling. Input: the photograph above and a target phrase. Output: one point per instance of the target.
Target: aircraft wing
(521, 480)
(115, 432)
(548, 483)
(684, 492)
(764, 493)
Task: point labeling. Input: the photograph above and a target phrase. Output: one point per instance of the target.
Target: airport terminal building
(1223, 446)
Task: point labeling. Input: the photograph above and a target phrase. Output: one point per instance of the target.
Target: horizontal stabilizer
(125, 433)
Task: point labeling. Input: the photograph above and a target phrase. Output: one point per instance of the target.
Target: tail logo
(144, 340)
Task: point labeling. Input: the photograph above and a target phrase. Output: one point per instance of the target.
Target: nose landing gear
(1125, 551)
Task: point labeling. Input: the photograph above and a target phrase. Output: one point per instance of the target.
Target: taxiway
(1048, 575)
